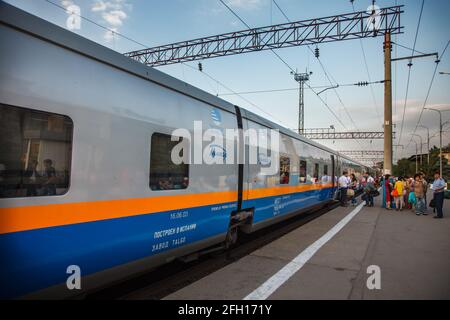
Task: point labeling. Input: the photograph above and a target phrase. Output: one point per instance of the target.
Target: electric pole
(417, 167)
(421, 150)
(428, 144)
(301, 78)
(387, 165)
(440, 137)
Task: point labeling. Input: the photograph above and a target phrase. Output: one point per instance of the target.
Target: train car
(87, 183)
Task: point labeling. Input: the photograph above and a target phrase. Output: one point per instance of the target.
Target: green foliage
(404, 167)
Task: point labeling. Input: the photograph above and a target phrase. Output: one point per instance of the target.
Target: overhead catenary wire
(395, 85)
(236, 93)
(146, 46)
(375, 104)
(328, 107)
(428, 92)
(328, 78)
(327, 75)
(242, 20)
(97, 24)
(285, 63)
(409, 75)
(405, 47)
(361, 83)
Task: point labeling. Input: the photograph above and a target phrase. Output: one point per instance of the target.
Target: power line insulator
(200, 67)
(316, 52)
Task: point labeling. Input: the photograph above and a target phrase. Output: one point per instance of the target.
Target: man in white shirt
(343, 186)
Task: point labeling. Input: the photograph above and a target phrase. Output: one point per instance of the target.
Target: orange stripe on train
(24, 218)
(51, 215)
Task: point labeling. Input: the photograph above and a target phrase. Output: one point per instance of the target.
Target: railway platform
(332, 257)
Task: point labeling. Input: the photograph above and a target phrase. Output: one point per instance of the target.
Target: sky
(152, 23)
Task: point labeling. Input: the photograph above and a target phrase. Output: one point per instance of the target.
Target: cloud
(245, 4)
(114, 18)
(99, 6)
(66, 3)
(242, 5)
(113, 14)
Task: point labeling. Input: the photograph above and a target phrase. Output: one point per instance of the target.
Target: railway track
(171, 277)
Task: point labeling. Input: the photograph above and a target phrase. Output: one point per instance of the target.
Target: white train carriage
(86, 173)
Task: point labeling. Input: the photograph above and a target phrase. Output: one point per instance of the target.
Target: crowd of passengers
(398, 193)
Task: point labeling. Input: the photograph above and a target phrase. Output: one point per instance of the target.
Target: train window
(35, 152)
(302, 173)
(284, 170)
(325, 177)
(316, 173)
(164, 174)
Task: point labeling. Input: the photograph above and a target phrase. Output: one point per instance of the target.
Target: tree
(405, 167)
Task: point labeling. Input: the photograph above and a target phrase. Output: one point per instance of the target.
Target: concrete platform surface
(412, 252)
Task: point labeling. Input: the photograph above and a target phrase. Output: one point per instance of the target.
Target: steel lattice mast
(348, 26)
(362, 153)
(331, 134)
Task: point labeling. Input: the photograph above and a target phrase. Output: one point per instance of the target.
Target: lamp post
(403, 147)
(440, 136)
(398, 145)
(421, 144)
(417, 169)
(428, 143)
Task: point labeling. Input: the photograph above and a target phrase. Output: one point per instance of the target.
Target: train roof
(26, 22)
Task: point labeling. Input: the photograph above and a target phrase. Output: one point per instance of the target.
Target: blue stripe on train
(37, 259)
(266, 208)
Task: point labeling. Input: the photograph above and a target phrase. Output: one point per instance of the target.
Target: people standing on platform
(343, 187)
(438, 194)
(369, 189)
(424, 181)
(412, 196)
(354, 186)
(419, 192)
(399, 187)
(406, 193)
(387, 189)
(363, 180)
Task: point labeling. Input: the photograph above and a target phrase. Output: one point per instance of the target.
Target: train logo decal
(264, 159)
(217, 151)
(277, 206)
(216, 117)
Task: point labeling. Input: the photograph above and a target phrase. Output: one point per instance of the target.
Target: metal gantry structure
(348, 26)
(363, 153)
(371, 160)
(356, 25)
(331, 134)
(371, 157)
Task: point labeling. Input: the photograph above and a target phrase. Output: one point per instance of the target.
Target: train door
(333, 176)
(333, 171)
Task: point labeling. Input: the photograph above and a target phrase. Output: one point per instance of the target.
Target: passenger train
(87, 185)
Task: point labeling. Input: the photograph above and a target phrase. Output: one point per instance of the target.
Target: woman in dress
(387, 188)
